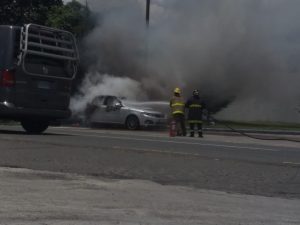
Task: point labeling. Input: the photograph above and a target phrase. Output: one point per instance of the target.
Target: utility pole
(86, 10)
(146, 38)
(148, 12)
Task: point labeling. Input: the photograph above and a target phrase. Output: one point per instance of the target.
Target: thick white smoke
(238, 51)
(96, 84)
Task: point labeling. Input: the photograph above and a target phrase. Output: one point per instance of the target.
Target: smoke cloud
(242, 55)
(96, 84)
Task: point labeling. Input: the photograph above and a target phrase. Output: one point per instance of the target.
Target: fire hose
(249, 135)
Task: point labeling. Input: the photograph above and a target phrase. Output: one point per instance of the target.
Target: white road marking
(233, 147)
(292, 163)
(155, 151)
(146, 150)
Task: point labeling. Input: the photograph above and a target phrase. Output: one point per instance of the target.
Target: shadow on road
(18, 132)
(101, 126)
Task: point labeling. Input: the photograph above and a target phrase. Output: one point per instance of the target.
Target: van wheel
(35, 126)
(132, 123)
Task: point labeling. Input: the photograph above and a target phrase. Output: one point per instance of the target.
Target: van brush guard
(48, 43)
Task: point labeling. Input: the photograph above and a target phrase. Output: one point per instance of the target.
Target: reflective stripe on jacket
(177, 105)
(195, 106)
(195, 121)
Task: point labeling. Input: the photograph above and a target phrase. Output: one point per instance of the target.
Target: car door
(113, 110)
(101, 110)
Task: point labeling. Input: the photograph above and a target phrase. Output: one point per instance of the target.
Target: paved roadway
(224, 163)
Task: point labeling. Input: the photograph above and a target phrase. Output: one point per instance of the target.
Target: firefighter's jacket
(177, 105)
(195, 109)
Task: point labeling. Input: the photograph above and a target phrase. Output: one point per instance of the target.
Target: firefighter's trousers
(199, 129)
(180, 124)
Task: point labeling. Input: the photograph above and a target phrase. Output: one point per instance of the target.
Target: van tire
(35, 126)
(132, 123)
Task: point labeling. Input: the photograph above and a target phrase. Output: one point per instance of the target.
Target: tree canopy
(73, 17)
(16, 12)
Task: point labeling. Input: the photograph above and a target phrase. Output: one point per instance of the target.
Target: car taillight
(7, 78)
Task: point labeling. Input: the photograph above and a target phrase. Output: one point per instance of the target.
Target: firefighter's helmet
(177, 91)
(195, 92)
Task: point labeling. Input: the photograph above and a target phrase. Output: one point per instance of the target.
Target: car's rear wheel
(34, 126)
(132, 123)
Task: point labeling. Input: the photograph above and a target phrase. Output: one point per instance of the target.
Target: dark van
(37, 66)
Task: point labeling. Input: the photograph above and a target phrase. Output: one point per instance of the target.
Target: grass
(259, 125)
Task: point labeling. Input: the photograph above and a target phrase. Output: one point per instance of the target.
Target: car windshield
(111, 101)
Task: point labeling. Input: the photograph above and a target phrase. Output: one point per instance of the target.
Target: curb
(252, 131)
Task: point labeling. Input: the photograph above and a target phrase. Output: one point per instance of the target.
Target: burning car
(112, 110)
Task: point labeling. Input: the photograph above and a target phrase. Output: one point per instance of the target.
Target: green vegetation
(72, 16)
(259, 125)
(17, 12)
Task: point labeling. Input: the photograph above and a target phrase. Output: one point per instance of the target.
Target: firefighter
(177, 105)
(195, 109)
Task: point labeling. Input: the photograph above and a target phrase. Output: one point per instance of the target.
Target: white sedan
(106, 109)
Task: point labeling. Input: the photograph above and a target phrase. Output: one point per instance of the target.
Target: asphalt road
(224, 163)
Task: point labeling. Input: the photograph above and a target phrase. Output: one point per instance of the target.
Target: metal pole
(146, 38)
(148, 12)
(86, 10)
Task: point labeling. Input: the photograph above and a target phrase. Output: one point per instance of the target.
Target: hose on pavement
(252, 136)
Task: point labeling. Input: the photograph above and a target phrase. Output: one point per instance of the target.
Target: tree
(73, 17)
(18, 12)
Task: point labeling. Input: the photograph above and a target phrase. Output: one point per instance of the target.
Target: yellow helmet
(177, 91)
